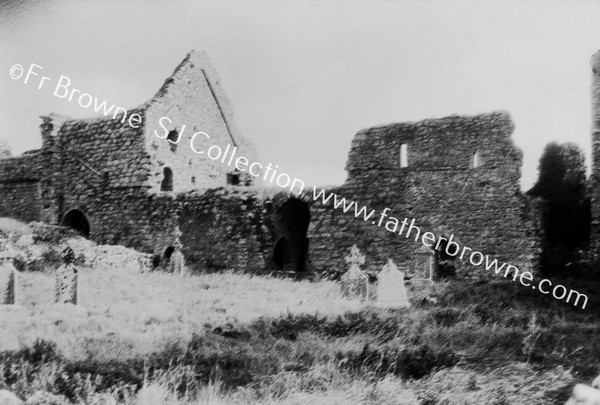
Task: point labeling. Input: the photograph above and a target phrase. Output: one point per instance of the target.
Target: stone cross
(391, 292)
(9, 281)
(354, 283)
(355, 259)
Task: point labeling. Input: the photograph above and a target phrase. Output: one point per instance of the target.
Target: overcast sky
(304, 76)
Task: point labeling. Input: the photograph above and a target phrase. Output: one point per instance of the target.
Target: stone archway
(291, 221)
(168, 253)
(77, 220)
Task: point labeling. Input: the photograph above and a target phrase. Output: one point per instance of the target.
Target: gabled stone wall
(192, 101)
(109, 171)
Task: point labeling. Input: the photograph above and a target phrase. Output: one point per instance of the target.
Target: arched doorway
(282, 254)
(77, 220)
(445, 266)
(291, 225)
(168, 253)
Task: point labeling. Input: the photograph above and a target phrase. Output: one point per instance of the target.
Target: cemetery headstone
(177, 261)
(354, 283)
(424, 264)
(391, 292)
(67, 288)
(8, 283)
(9, 277)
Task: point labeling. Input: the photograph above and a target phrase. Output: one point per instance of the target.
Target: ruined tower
(595, 128)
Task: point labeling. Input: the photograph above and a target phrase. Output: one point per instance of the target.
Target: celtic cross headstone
(354, 283)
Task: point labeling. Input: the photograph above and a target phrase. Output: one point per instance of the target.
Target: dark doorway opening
(168, 253)
(282, 255)
(76, 220)
(291, 225)
(445, 266)
(167, 182)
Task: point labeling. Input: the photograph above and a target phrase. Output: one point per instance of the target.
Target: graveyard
(135, 336)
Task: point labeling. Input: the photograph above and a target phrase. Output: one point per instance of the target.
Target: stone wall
(20, 192)
(99, 167)
(247, 229)
(226, 228)
(103, 175)
(442, 188)
(20, 200)
(107, 178)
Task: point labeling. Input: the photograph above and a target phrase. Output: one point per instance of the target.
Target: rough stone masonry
(118, 184)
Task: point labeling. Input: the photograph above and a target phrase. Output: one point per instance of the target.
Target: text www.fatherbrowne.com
(63, 88)
(407, 228)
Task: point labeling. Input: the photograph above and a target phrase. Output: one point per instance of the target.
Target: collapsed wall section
(454, 176)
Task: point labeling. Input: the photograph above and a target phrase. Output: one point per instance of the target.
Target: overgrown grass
(9, 226)
(128, 314)
(152, 338)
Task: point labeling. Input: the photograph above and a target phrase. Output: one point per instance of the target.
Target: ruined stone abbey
(118, 184)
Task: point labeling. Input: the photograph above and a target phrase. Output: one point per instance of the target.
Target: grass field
(224, 338)
(127, 314)
(152, 338)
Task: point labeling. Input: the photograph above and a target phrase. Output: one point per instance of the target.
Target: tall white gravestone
(391, 292)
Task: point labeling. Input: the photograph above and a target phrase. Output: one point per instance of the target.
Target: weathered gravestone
(177, 261)
(391, 292)
(355, 283)
(9, 277)
(67, 283)
(424, 264)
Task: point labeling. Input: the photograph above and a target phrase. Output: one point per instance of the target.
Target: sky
(304, 76)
